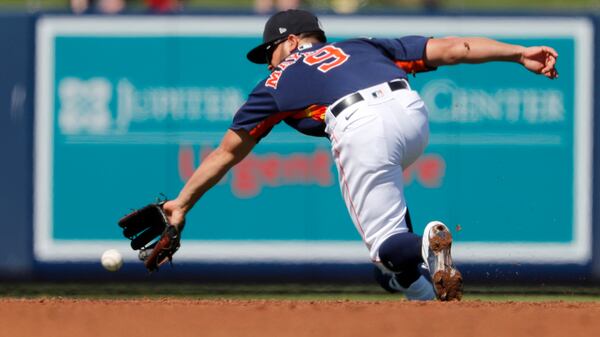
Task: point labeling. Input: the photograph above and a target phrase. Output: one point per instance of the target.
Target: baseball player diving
(356, 93)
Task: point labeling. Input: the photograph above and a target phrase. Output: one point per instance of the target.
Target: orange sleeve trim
(316, 112)
(264, 126)
(413, 67)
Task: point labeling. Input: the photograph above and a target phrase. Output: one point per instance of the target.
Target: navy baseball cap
(279, 26)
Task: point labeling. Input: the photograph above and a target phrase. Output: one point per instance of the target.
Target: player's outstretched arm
(234, 147)
(455, 50)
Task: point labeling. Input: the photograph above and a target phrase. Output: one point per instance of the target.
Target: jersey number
(329, 57)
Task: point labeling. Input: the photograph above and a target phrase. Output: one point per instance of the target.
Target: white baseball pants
(372, 142)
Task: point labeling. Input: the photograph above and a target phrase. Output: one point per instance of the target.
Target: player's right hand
(540, 60)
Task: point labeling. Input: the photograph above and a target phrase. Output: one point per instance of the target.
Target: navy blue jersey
(311, 78)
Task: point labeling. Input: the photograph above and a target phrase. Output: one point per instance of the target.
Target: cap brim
(258, 54)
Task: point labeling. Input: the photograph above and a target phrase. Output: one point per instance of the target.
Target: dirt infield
(261, 318)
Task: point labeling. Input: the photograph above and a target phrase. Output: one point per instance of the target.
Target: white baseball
(111, 260)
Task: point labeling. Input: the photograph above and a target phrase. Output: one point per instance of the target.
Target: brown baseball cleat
(447, 280)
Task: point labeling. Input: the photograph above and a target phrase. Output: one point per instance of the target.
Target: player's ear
(294, 41)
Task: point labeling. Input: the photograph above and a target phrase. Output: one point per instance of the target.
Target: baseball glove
(151, 234)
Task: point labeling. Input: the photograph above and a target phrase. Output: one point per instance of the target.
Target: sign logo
(100, 107)
(84, 105)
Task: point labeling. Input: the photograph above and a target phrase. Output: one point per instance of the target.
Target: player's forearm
(455, 50)
(477, 50)
(209, 173)
(234, 147)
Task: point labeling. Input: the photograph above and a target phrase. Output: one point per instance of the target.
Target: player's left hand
(540, 60)
(174, 212)
(151, 232)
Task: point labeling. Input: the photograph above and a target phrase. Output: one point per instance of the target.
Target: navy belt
(357, 97)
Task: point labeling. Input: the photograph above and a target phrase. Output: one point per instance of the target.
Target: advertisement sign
(127, 108)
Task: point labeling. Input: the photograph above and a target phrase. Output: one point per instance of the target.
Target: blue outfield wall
(596, 177)
(509, 166)
(16, 141)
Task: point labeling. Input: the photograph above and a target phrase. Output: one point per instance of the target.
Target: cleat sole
(447, 280)
(448, 285)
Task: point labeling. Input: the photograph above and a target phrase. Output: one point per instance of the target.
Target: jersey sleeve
(407, 52)
(259, 114)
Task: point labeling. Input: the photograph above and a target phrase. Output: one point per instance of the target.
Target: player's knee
(401, 255)
(401, 252)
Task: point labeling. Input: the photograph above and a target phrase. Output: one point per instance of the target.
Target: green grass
(311, 292)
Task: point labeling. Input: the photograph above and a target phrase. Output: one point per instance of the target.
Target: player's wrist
(519, 55)
(180, 206)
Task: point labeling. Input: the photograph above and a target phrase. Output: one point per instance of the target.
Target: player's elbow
(457, 51)
(224, 158)
(448, 51)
